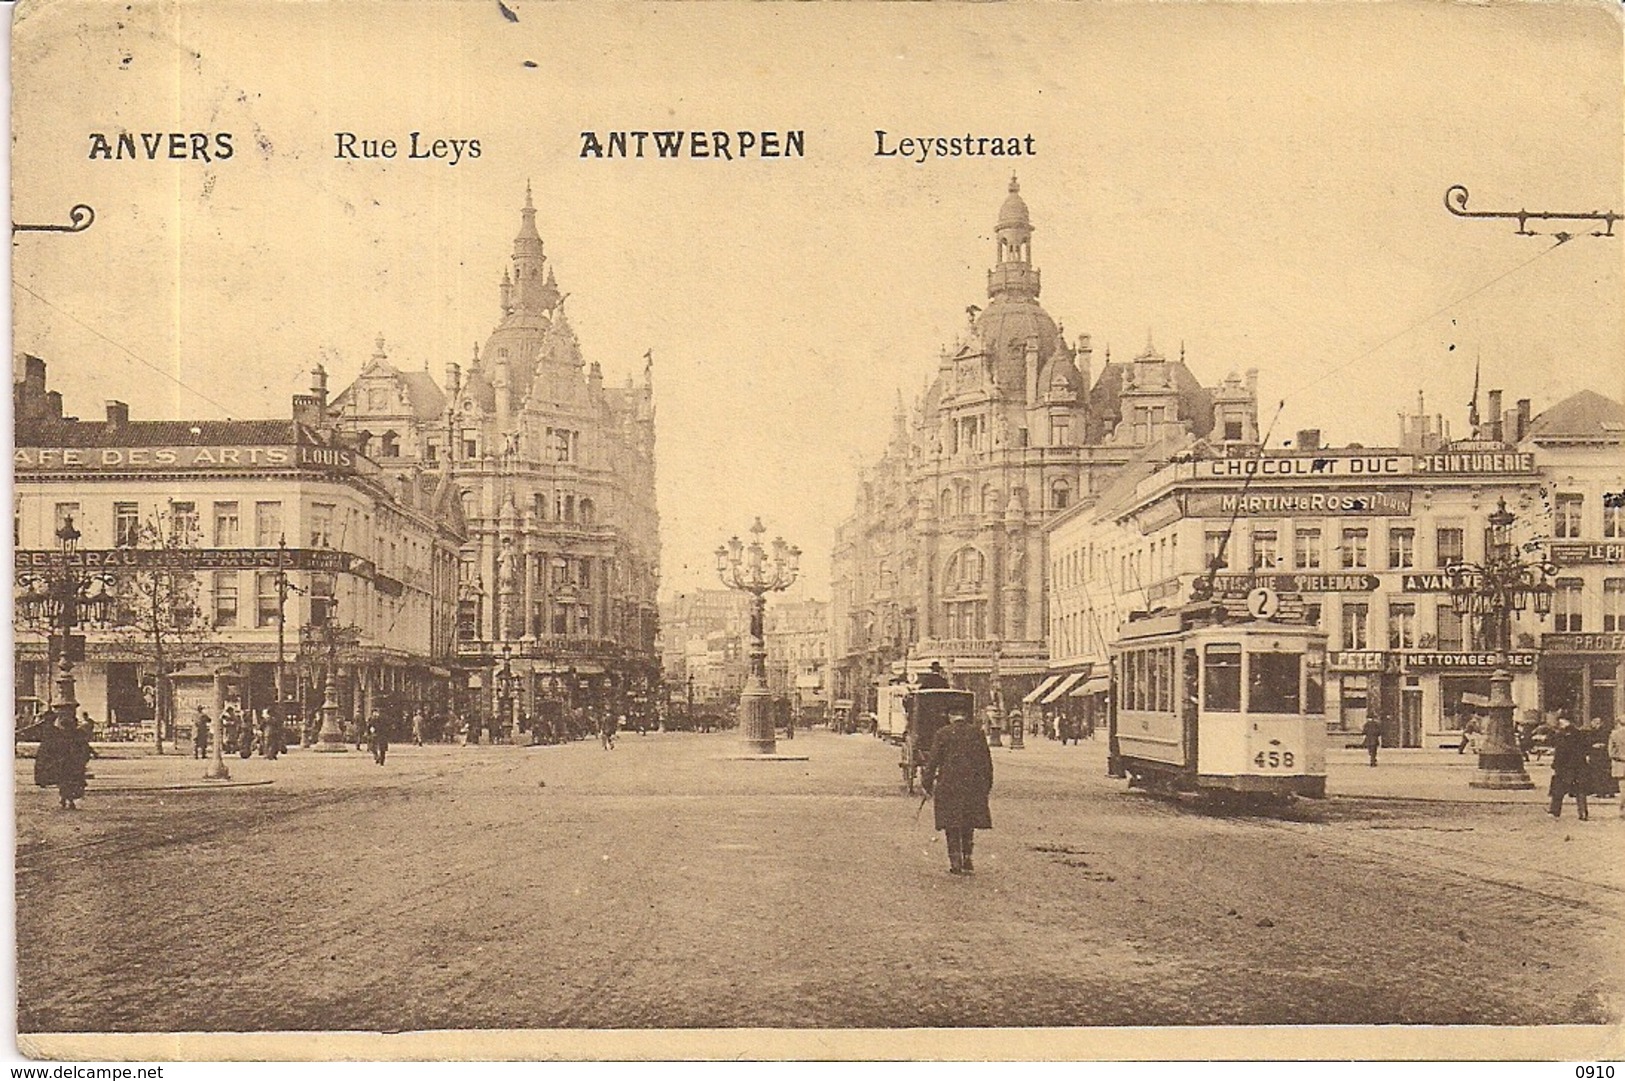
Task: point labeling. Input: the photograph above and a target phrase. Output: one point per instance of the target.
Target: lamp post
(1492, 591)
(750, 569)
(505, 695)
(331, 738)
(59, 605)
(995, 698)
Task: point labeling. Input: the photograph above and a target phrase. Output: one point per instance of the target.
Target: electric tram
(1203, 703)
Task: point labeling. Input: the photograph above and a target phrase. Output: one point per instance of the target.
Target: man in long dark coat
(1568, 768)
(958, 776)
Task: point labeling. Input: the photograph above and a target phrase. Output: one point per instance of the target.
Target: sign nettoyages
(161, 458)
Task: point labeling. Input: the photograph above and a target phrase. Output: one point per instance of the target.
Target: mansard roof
(1195, 400)
(71, 432)
(1586, 415)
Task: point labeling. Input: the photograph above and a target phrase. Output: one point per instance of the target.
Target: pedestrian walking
(1599, 775)
(1372, 730)
(245, 735)
(958, 776)
(274, 744)
(417, 728)
(1469, 735)
(377, 737)
(48, 757)
(74, 756)
(1616, 760)
(606, 730)
(1568, 768)
(200, 734)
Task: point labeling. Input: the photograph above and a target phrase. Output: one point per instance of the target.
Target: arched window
(389, 445)
(1060, 495)
(988, 499)
(467, 498)
(946, 507)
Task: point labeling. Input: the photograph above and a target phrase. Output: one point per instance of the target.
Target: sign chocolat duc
(1371, 465)
(162, 458)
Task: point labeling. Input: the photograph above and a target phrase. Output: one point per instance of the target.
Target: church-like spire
(529, 290)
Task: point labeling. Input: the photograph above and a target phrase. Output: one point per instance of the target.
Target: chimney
(1252, 382)
(307, 410)
(1308, 439)
(454, 379)
(118, 413)
(34, 371)
(1523, 418)
(318, 385)
(1495, 415)
(53, 405)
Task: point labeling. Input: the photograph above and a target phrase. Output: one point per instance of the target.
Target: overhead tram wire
(137, 357)
(1206, 588)
(1425, 319)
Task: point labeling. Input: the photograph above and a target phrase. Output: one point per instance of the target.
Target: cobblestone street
(660, 885)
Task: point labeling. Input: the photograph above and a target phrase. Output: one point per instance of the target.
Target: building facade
(797, 640)
(942, 558)
(554, 469)
(1579, 444)
(1356, 541)
(705, 641)
(220, 539)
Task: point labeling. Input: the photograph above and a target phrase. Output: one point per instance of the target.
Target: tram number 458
(1274, 760)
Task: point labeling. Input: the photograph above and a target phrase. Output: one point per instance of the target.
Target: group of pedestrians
(1584, 763)
(62, 759)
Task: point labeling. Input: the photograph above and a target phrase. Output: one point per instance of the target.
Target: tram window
(1272, 682)
(1314, 682)
(1223, 679)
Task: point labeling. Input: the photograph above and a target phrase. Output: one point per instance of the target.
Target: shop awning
(1032, 695)
(1093, 685)
(1062, 687)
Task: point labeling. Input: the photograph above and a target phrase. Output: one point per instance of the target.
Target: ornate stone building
(555, 470)
(943, 556)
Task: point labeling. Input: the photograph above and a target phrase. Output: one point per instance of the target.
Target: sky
(1260, 185)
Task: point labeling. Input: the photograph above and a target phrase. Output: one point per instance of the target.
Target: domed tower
(1013, 273)
(1018, 336)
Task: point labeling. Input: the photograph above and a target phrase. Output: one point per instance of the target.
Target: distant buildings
(943, 557)
(798, 652)
(704, 634)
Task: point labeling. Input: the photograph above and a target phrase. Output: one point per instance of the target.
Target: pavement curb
(187, 786)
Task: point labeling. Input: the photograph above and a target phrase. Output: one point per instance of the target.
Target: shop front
(1581, 676)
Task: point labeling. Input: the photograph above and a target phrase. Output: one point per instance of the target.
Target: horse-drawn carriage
(927, 710)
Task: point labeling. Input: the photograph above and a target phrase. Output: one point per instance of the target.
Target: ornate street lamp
(1491, 591)
(506, 681)
(58, 604)
(331, 636)
(751, 569)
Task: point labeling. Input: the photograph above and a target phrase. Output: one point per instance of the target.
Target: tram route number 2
(1274, 760)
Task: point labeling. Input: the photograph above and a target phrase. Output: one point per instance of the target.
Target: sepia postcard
(657, 531)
